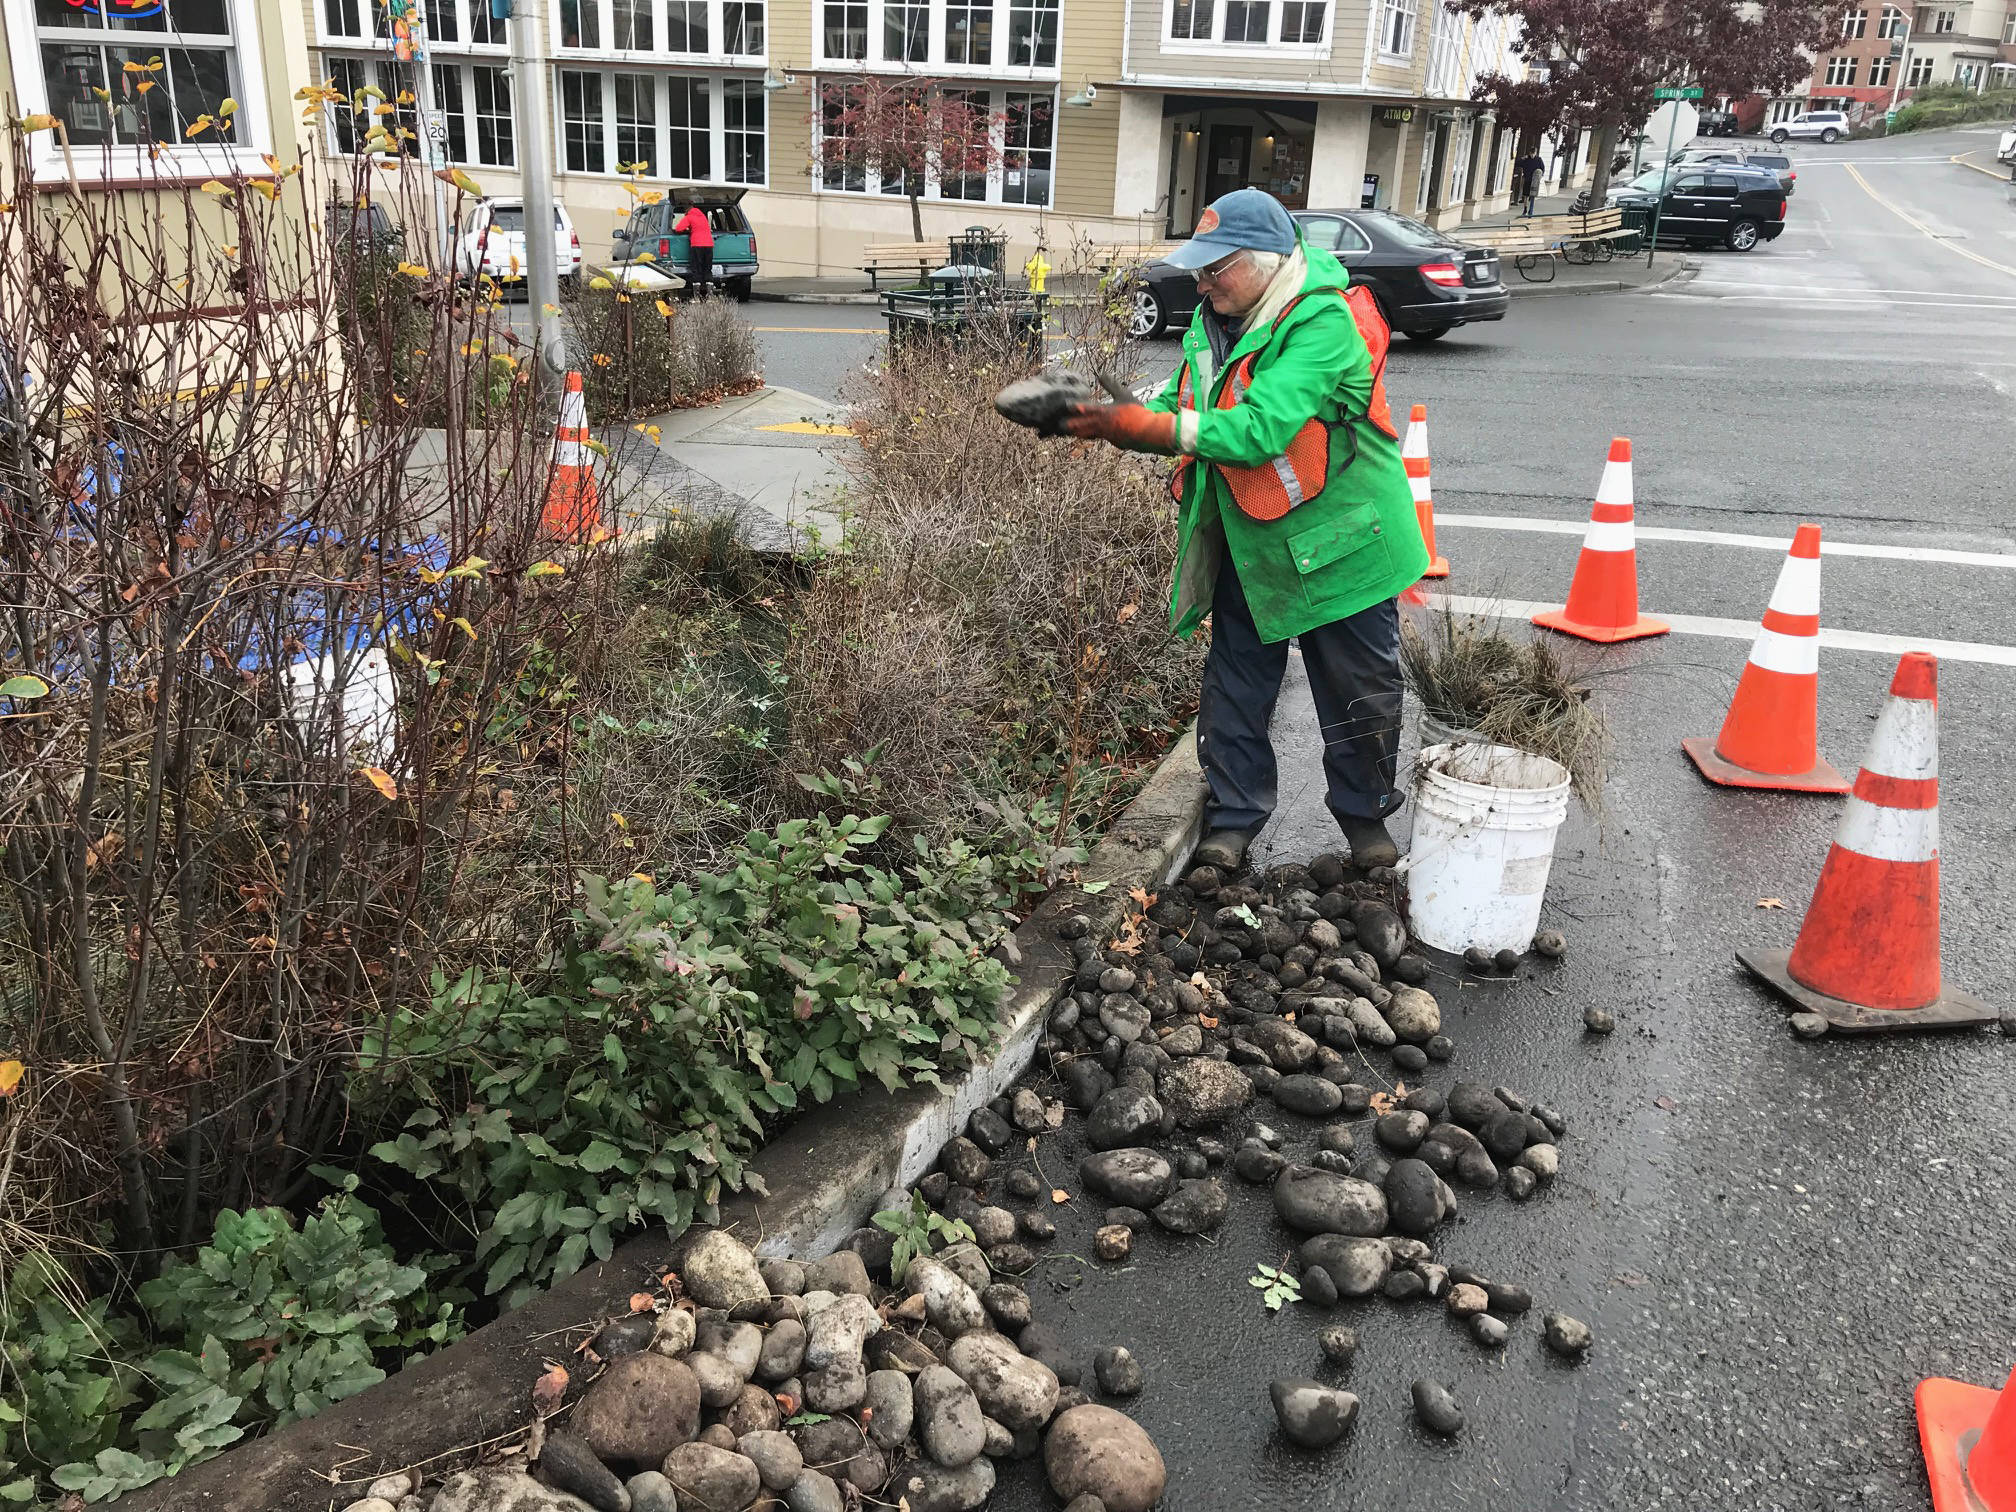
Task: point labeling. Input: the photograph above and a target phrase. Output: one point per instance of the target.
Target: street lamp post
(1901, 51)
(532, 114)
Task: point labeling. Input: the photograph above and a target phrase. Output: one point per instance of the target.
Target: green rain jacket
(1354, 544)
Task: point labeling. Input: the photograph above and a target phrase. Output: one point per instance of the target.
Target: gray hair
(1266, 264)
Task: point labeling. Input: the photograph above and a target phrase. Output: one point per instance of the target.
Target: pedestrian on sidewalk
(699, 232)
(1295, 521)
(1527, 172)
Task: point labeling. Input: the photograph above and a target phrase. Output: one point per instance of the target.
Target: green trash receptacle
(1638, 221)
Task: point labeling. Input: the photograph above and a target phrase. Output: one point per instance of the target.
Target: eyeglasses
(1217, 270)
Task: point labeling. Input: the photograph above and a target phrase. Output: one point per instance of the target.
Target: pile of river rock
(819, 1386)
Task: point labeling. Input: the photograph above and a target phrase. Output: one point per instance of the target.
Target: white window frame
(658, 52)
(1880, 70)
(1840, 70)
(997, 108)
(717, 116)
(204, 158)
(1942, 23)
(1854, 24)
(1920, 72)
(357, 42)
(1892, 22)
(1389, 12)
(998, 67)
(1195, 46)
(2009, 31)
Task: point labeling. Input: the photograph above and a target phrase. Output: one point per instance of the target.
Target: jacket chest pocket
(1342, 558)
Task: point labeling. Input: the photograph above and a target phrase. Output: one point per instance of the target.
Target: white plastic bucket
(1485, 817)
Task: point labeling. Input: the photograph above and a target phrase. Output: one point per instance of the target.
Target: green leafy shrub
(275, 1322)
(1939, 106)
(680, 1026)
(917, 1232)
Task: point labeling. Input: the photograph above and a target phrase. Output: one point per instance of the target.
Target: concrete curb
(764, 296)
(824, 1174)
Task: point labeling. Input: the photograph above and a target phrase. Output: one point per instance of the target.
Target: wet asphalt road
(1774, 1240)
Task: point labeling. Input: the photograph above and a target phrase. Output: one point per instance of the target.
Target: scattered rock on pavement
(1117, 1371)
(1598, 1020)
(1566, 1336)
(1311, 1415)
(1436, 1408)
(1097, 1451)
(1809, 1025)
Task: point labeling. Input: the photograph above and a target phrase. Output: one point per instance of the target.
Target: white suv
(1827, 125)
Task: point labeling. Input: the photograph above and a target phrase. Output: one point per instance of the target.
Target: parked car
(647, 240)
(1732, 204)
(1825, 125)
(368, 227)
(492, 244)
(1426, 282)
(1776, 162)
(1698, 155)
(1717, 123)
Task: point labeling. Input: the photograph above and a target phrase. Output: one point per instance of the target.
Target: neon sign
(119, 10)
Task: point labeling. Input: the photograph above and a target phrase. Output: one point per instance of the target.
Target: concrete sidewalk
(767, 457)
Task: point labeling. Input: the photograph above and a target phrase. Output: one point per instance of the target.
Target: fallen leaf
(1032, 1144)
(1207, 1021)
(1095, 888)
(642, 1302)
(1665, 1102)
(549, 1389)
(787, 1404)
(1057, 1194)
(380, 779)
(1382, 1103)
(11, 1072)
(1770, 902)
(1127, 612)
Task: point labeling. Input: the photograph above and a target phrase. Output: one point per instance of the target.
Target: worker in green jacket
(1295, 521)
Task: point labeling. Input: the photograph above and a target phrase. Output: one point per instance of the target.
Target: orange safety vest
(1302, 472)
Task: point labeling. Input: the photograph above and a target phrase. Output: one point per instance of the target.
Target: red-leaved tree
(904, 128)
(1593, 64)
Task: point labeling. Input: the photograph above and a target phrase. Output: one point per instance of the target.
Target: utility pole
(410, 46)
(532, 113)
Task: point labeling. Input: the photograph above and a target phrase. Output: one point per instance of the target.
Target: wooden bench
(878, 258)
(1582, 238)
(1526, 251)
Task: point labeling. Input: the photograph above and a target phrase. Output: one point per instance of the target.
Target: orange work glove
(1133, 426)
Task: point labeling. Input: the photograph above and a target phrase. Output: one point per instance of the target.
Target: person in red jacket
(700, 260)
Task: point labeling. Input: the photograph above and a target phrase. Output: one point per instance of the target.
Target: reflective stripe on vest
(1269, 491)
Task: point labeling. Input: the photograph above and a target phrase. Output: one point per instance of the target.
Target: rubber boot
(1223, 848)
(1370, 844)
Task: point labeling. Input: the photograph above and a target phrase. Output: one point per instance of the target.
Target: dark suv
(1726, 203)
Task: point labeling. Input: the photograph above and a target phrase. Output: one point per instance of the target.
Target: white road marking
(1834, 301)
(1853, 289)
(1778, 544)
(1745, 630)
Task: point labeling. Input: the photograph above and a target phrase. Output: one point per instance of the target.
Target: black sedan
(1427, 283)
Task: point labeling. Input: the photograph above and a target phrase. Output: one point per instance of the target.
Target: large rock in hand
(1095, 1451)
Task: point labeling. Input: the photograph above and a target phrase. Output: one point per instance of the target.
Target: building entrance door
(1225, 165)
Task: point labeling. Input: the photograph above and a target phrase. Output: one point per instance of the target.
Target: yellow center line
(1929, 233)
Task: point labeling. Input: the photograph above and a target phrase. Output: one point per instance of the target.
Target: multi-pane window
(486, 29)
(1024, 119)
(969, 32)
(1841, 70)
(1028, 145)
(1921, 71)
(582, 136)
(742, 112)
(495, 145)
(630, 24)
(686, 26)
(580, 23)
(361, 19)
(1247, 20)
(1892, 24)
(846, 26)
(1302, 21)
(636, 121)
(688, 154)
(2009, 31)
(452, 111)
(1191, 21)
(1032, 33)
(397, 110)
(1880, 70)
(106, 93)
(1396, 28)
(1853, 24)
(906, 31)
(843, 168)
(1942, 21)
(742, 28)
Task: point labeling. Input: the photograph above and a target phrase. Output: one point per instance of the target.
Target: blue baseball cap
(1250, 219)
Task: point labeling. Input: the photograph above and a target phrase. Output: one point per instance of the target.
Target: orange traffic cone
(1867, 956)
(1770, 737)
(1603, 600)
(1414, 457)
(1968, 1434)
(573, 510)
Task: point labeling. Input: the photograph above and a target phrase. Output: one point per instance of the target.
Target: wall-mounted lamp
(1084, 96)
(774, 81)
